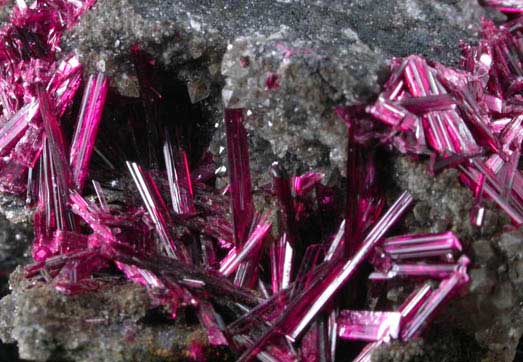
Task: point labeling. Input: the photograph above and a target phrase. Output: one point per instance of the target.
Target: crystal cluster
(276, 285)
(469, 118)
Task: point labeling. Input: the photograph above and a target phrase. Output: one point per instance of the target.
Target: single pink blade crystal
(180, 183)
(392, 114)
(101, 196)
(84, 138)
(13, 128)
(239, 174)
(336, 246)
(353, 215)
(304, 183)
(421, 245)
(282, 187)
(434, 271)
(253, 245)
(420, 105)
(286, 261)
(368, 326)
(281, 257)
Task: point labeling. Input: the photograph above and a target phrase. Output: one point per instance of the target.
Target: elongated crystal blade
(239, 174)
(84, 138)
(421, 246)
(368, 326)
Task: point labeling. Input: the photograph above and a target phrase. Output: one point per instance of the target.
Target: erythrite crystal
(421, 246)
(252, 246)
(87, 127)
(445, 290)
(368, 326)
(434, 271)
(483, 123)
(17, 123)
(506, 6)
(180, 183)
(281, 256)
(157, 211)
(239, 174)
(305, 306)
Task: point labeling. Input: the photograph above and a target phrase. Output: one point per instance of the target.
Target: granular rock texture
(292, 82)
(291, 87)
(15, 240)
(442, 345)
(110, 326)
(442, 202)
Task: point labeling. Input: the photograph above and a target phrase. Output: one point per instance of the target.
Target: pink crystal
(272, 82)
(339, 278)
(368, 326)
(446, 288)
(101, 197)
(281, 257)
(411, 305)
(180, 183)
(239, 174)
(393, 114)
(304, 183)
(397, 270)
(305, 306)
(252, 246)
(56, 142)
(421, 245)
(89, 119)
(506, 6)
(157, 211)
(18, 122)
(315, 344)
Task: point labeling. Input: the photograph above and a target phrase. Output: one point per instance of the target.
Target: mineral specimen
(281, 282)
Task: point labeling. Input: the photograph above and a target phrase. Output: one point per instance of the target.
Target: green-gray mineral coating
(109, 325)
